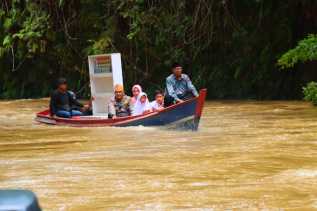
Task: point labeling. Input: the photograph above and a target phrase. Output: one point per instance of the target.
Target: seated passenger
(136, 90)
(119, 105)
(142, 105)
(63, 101)
(179, 86)
(158, 103)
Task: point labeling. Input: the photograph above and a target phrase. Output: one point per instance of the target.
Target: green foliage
(310, 92)
(306, 50)
(230, 47)
(25, 32)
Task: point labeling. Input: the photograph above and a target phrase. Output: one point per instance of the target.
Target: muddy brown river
(247, 155)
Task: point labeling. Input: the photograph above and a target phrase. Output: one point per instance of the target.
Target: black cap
(176, 64)
(61, 81)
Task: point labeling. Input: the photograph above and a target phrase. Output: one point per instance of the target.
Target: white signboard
(105, 72)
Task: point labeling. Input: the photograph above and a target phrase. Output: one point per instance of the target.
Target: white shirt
(139, 108)
(154, 105)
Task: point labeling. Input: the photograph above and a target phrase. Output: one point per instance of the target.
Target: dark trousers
(168, 101)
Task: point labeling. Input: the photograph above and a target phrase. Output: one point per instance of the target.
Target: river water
(247, 155)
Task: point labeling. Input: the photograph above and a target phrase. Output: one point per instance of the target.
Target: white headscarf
(138, 87)
(135, 98)
(139, 107)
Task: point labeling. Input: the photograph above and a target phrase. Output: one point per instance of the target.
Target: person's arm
(191, 87)
(131, 105)
(111, 110)
(74, 101)
(53, 107)
(170, 89)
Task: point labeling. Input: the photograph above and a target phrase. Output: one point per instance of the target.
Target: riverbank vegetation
(305, 51)
(310, 92)
(230, 47)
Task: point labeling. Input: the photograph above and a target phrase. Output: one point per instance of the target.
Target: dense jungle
(236, 49)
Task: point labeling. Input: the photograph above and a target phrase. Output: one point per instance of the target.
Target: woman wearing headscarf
(142, 105)
(136, 90)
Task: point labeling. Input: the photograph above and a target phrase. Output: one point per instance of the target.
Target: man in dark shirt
(178, 86)
(63, 101)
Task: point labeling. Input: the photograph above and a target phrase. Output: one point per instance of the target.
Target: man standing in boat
(178, 86)
(119, 105)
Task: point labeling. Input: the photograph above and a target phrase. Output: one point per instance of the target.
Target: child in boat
(158, 103)
(142, 105)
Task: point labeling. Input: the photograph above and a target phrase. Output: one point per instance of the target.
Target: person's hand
(114, 117)
(53, 116)
(85, 108)
(90, 101)
(179, 101)
(147, 111)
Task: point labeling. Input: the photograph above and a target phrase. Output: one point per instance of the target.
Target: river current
(247, 155)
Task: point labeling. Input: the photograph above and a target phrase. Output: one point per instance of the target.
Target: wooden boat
(185, 115)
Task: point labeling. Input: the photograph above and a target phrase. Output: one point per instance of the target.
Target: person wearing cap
(119, 105)
(178, 86)
(62, 101)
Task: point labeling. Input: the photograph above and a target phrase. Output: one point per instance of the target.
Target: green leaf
(18, 35)
(7, 23)
(7, 41)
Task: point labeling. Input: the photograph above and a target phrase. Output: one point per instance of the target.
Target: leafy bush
(310, 92)
(306, 50)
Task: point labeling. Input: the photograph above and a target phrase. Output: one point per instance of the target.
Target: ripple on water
(305, 173)
(295, 176)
